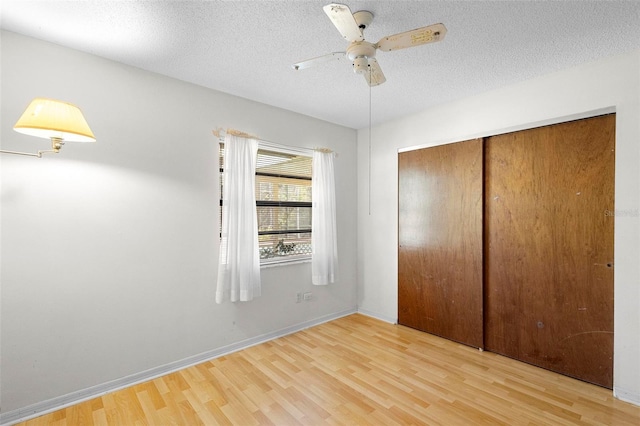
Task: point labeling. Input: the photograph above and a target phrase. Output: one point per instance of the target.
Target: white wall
(608, 85)
(109, 250)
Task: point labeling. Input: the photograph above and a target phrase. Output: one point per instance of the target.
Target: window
(283, 203)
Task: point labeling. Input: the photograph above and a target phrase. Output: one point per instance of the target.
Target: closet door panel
(549, 247)
(440, 241)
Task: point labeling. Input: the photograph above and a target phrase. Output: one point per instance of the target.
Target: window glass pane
(270, 188)
(283, 245)
(279, 218)
(283, 164)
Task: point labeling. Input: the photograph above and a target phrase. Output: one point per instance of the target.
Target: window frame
(278, 259)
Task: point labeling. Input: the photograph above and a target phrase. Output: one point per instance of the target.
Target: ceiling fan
(360, 52)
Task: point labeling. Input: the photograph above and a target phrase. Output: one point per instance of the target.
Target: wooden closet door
(549, 247)
(440, 241)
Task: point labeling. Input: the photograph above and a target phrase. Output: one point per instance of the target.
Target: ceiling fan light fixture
(360, 65)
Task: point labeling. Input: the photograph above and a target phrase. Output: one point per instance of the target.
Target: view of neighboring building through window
(283, 203)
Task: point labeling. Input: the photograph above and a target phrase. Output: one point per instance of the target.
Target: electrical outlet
(307, 296)
(298, 297)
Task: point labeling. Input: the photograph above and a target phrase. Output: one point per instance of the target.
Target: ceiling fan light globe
(360, 65)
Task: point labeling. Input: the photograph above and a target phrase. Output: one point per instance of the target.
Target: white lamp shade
(48, 118)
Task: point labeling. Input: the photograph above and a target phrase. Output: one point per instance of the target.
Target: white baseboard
(378, 316)
(626, 396)
(57, 403)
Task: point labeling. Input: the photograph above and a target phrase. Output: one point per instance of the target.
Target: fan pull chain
(369, 168)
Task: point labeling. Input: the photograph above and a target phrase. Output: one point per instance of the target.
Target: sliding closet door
(549, 247)
(440, 241)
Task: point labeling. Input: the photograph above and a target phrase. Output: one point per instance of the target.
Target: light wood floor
(355, 370)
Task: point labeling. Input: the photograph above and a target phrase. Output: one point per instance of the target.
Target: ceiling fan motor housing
(359, 53)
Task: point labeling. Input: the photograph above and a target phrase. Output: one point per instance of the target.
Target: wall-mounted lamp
(56, 120)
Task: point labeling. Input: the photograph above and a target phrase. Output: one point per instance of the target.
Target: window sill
(272, 263)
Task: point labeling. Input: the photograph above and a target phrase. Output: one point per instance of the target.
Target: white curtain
(239, 263)
(324, 259)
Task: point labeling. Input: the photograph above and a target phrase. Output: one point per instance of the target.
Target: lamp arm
(39, 154)
(56, 144)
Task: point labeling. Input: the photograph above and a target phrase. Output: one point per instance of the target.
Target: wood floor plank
(100, 418)
(151, 412)
(355, 371)
(216, 412)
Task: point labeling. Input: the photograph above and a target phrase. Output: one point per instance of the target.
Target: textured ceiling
(246, 48)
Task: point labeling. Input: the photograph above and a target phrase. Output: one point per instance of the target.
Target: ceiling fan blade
(344, 21)
(319, 60)
(416, 37)
(375, 75)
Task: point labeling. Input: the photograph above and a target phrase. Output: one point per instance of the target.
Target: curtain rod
(220, 134)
